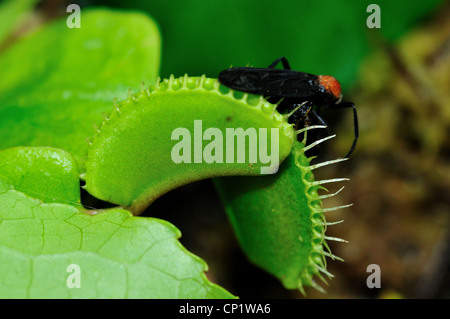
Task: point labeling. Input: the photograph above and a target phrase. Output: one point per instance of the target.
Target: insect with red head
(295, 92)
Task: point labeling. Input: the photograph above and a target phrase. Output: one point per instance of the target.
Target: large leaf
(18, 167)
(119, 256)
(60, 80)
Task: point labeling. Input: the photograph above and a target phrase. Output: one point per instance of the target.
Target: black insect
(296, 92)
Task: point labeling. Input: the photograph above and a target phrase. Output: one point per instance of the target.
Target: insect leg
(283, 60)
(320, 119)
(355, 124)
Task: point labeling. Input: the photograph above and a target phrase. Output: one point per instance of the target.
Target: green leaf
(12, 13)
(18, 167)
(60, 80)
(118, 255)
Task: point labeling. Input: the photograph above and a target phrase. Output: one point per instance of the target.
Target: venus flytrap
(144, 148)
(134, 157)
(279, 219)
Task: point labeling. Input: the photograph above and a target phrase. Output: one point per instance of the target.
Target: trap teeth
(116, 106)
(322, 197)
(105, 117)
(185, 80)
(333, 257)
(202, 80)
(278, 103)
(324, 210)
(312, 167)
(312, 127)
(318, 287)
(340, 240)
(158, 82)
(96, 128)
(327, 181)
(310, 146)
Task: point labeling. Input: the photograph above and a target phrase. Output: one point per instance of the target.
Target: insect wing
(250, 80)
(299, 86)
(269, 82)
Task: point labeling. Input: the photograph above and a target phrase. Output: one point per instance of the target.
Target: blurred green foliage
(316, 36)
(12, 13)
(60, 80)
